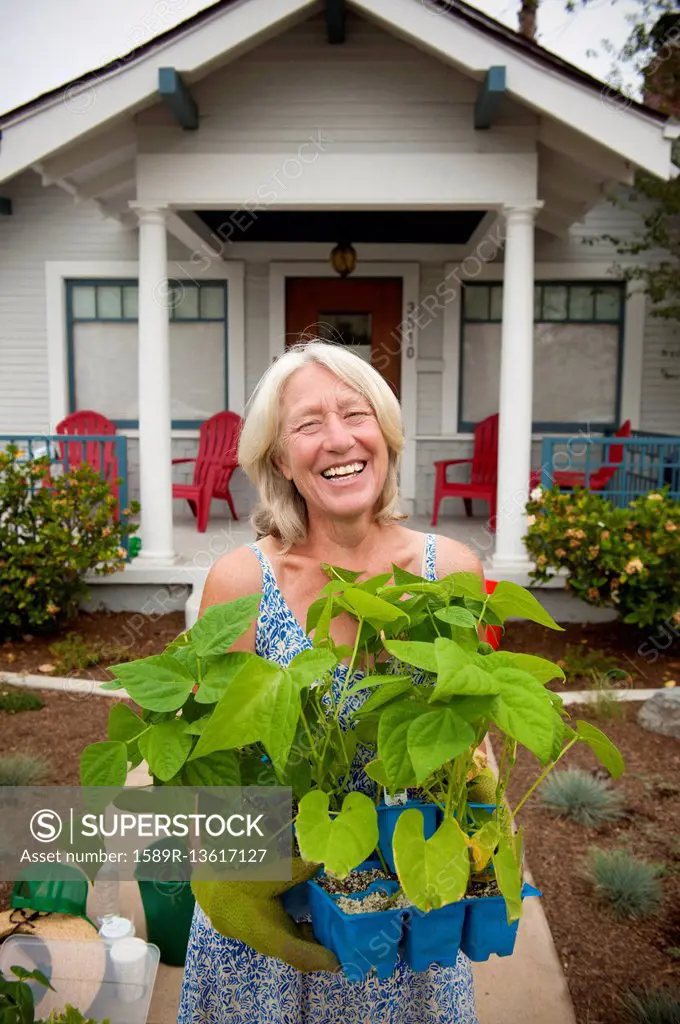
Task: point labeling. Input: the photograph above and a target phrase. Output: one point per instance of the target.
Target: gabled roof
(567, 99)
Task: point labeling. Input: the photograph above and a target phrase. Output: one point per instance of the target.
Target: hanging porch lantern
(344, 259)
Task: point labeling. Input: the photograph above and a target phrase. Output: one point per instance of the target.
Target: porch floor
(200, 550)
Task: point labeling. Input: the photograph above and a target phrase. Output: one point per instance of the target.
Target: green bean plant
(420, 688)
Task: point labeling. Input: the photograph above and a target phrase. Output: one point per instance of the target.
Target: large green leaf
(454, 615)
(540, 668)
(457, 674)
(434, 871)
(603, 748)
(509, 599)
(221, 625)
(159, 683)
(236, 722)
(509, 878)
(218, 769)
(104, 764)
(468, 584)
(393, 743)
(124, 724)
(390, 691)
(413, 652)
(335, 573)
(376, 771)
(472, 709)
(310, 666)
(165, 748)
(261, 703)
(371, 608)
(339, 843)
(524, 711)
(435, 738)
(219, 673)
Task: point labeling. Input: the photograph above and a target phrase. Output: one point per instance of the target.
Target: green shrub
(629, 886)
(73, 652)
(605, 704)
(23, 770)
(652, 1006)
(580, 796)
(52, 532)
(13, 701)
(624, 558)
(591, 664)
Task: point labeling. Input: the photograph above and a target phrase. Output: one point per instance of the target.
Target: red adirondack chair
(599, 478)
(215, 464)
(101, 455)
(493, 633)
(483, 478)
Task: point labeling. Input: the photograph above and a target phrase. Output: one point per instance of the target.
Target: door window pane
(351, 329)
(84, 305)
(109, 304)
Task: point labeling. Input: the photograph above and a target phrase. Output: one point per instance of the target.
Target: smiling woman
(321, 442)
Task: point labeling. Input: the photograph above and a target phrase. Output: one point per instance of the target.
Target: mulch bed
(112, 637)
(622, 643)
(58, 732)
(602, 956)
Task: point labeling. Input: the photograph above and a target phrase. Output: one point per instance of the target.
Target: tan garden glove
(253, 913)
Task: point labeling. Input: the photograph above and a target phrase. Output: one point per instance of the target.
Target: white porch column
(155, 443)
(510, 560)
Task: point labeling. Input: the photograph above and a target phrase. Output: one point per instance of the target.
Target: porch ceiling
(397, 227)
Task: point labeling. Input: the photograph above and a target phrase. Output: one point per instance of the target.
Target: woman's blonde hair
(282, 511)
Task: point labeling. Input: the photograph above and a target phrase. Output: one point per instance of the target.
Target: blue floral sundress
(227, 982)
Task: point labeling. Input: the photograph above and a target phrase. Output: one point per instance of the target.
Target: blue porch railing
(618, 468)
(106, 453)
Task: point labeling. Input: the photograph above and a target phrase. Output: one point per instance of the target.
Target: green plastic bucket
(38, 889)
(168, 906)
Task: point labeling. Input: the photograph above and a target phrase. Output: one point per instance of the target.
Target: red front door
(362, 313)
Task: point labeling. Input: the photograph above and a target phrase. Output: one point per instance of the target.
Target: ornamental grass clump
(652, 1006)
(13, 701)
(23, 770)
(581, 797)
(53, 530)
(624, 558)
(629, 886)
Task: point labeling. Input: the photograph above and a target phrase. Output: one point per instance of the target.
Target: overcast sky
(46, 43)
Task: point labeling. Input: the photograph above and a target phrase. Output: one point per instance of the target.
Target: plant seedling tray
(361, 942)
(387, 822)
(486, 929)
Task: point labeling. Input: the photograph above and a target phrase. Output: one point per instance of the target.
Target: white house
(169, 220)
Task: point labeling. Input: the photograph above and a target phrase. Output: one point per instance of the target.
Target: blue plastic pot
(360, 941)
(387, 822)
(486, 929)
(433, 938)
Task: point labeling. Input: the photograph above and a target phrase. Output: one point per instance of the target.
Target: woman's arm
(235, 574)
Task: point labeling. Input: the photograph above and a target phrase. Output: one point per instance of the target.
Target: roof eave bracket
(489, 97)
(177, 98)
(335, 21)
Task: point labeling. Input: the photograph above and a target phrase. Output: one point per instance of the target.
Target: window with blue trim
(102, 344)
(578, 349)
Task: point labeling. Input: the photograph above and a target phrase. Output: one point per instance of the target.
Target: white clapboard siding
(45, 225)
(374, 93)
(661, 377)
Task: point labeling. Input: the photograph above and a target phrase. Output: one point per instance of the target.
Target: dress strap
(429, 568)
(268, 577)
